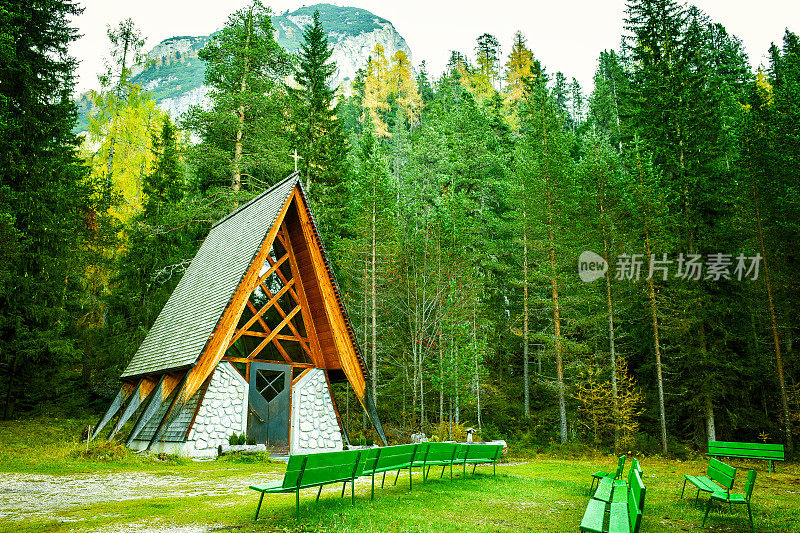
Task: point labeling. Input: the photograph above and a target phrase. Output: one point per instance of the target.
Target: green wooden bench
(747, 450)
(389, 459)
(612, 490)
(439, 454)
(742, 499)
(625, 510)
(719, 476)
(315, 470)
(601, 474)
(476, 454)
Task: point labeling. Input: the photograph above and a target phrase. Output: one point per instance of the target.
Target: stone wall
(314, 424)
(223, 411)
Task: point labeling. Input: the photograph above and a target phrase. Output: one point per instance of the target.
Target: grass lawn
(534, 493)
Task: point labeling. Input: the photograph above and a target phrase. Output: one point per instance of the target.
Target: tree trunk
(613, 353)
(709, 408)
(525, 353)
(477, 372)
(611, 342)
(654, 321)
(374, 347)
(236, 181)
(657, 349)
(8, 408)
(774, 323)
(562, 406)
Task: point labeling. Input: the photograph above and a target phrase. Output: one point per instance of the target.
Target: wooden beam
(257, 314)
(347, 354)
(122, 397)
(151, 406)
(266, 328)
(300, 376)
(281, 312)
(273, 268)
(244, 360)
(279, 337)
(275, 331)
(145, 387)
(170, 414)
(308, 320)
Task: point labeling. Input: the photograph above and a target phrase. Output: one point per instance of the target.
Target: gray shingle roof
(185, 324)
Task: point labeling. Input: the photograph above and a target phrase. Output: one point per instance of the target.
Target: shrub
(242, 439)
(233, 440)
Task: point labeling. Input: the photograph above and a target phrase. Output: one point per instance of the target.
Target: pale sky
(565, 35)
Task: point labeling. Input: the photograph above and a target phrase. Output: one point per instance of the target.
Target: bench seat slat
(618, 521)
(593, 517)
(603, 492)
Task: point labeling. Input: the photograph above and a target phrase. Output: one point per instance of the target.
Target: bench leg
(473, 468)
(261, 499)
(344, 487)
(372, 494)
(494, 468)
(384, 479)
(319, 492)
(397, 476)
(353, 491)
(697, 498)
(683, 489)
(411, 478)
(427, 474)
(750, 514)
(708, 508)
(442, 474)
(297, 504)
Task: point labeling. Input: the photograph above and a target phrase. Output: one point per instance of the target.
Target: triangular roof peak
(195, 307)
(281, 185)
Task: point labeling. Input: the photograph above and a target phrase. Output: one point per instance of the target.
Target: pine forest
(610, 266)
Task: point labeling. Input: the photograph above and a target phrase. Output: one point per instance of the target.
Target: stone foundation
(314, 424)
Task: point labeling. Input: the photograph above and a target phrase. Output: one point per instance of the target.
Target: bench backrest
(746, 449)
(620, 467)
(388, 457)
(484, 451)
(748, 485)
(461, 452)
(721, 473)
(421, 453)
(326, 467)
(636, 493)
(295, 467)
(441, 451)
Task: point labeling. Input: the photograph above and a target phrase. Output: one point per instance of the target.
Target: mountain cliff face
(173, 73)
(352, 34)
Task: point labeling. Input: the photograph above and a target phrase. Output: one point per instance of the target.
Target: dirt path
(23, 496)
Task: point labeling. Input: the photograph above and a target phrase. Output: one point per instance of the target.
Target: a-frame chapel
(249, 342)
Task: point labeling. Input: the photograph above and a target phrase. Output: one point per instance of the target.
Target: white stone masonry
(223, 412)
(314, 425)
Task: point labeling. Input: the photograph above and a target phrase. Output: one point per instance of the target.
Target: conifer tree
(51, 212)
(318, 134)
(244, 133)
(543, 167)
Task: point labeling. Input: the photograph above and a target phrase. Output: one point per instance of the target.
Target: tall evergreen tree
(49, 209)
(243, 135)
(318, 134)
